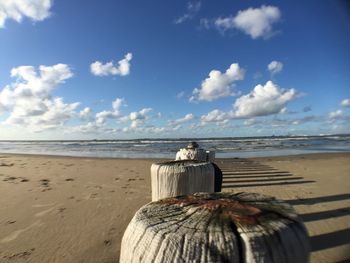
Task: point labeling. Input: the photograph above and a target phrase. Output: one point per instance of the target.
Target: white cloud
(345, 103)
(90, 127)
(217, 116)
(37, 10)
(188, 117)
(138, 117)
(101, 117)
(118, 103)
(335, 114)
(50, 114)
(29, 100)
(251, 122)
(191, 10)
(85, 113)
(218, 84)
(122, 69)
(275, 67)
(256, 22)
(263, 100)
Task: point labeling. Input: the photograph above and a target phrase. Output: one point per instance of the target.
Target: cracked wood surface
(217, 227)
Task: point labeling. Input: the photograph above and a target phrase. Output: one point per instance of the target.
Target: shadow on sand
(250, 173)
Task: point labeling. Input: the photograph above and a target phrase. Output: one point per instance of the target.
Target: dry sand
(62, 209)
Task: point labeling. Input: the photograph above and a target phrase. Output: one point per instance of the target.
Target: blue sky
(135, 69)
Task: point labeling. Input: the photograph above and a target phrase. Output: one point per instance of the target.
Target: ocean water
(167, 148)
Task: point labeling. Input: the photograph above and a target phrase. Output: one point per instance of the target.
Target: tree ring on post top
(216, 227)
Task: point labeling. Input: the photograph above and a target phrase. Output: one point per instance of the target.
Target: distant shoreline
(320, 154)
(187, 139)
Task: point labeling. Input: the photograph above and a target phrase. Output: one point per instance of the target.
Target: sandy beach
(64, 209)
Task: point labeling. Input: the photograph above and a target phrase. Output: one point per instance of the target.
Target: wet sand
(63, 209)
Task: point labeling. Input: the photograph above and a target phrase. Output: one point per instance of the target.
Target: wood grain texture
(218, 227)
(183, 177)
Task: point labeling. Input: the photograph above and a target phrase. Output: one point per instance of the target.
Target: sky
(113, 69)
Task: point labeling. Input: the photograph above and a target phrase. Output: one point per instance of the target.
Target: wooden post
(217, 227)
(180, 178)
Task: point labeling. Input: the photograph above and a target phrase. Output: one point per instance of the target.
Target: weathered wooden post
(180, 178)
(217, 227)
(193, 152)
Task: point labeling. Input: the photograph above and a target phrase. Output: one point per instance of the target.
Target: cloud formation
(218, 84)
(218, 116)
(85, 114)
(275, 67)
(335, 114)
(263, 100)
(191, 10)
(122, 69)
(138, 117)
(345, 103)
(37, 10)
(255, 22)
(188, 117)
(29, 100)
(101, 117)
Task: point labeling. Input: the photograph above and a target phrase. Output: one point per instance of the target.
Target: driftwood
(219, 227)
(180, 178)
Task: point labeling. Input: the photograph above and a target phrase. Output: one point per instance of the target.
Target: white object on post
(193, 152)
(181, 178)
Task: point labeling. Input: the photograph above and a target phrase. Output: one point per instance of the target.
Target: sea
(167, 148)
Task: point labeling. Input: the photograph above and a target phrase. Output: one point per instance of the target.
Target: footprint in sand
(6, 164)
(22, 254)
(10, 179)
(69, 179)
(44, 182)
(107, 242)
(16, 233)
